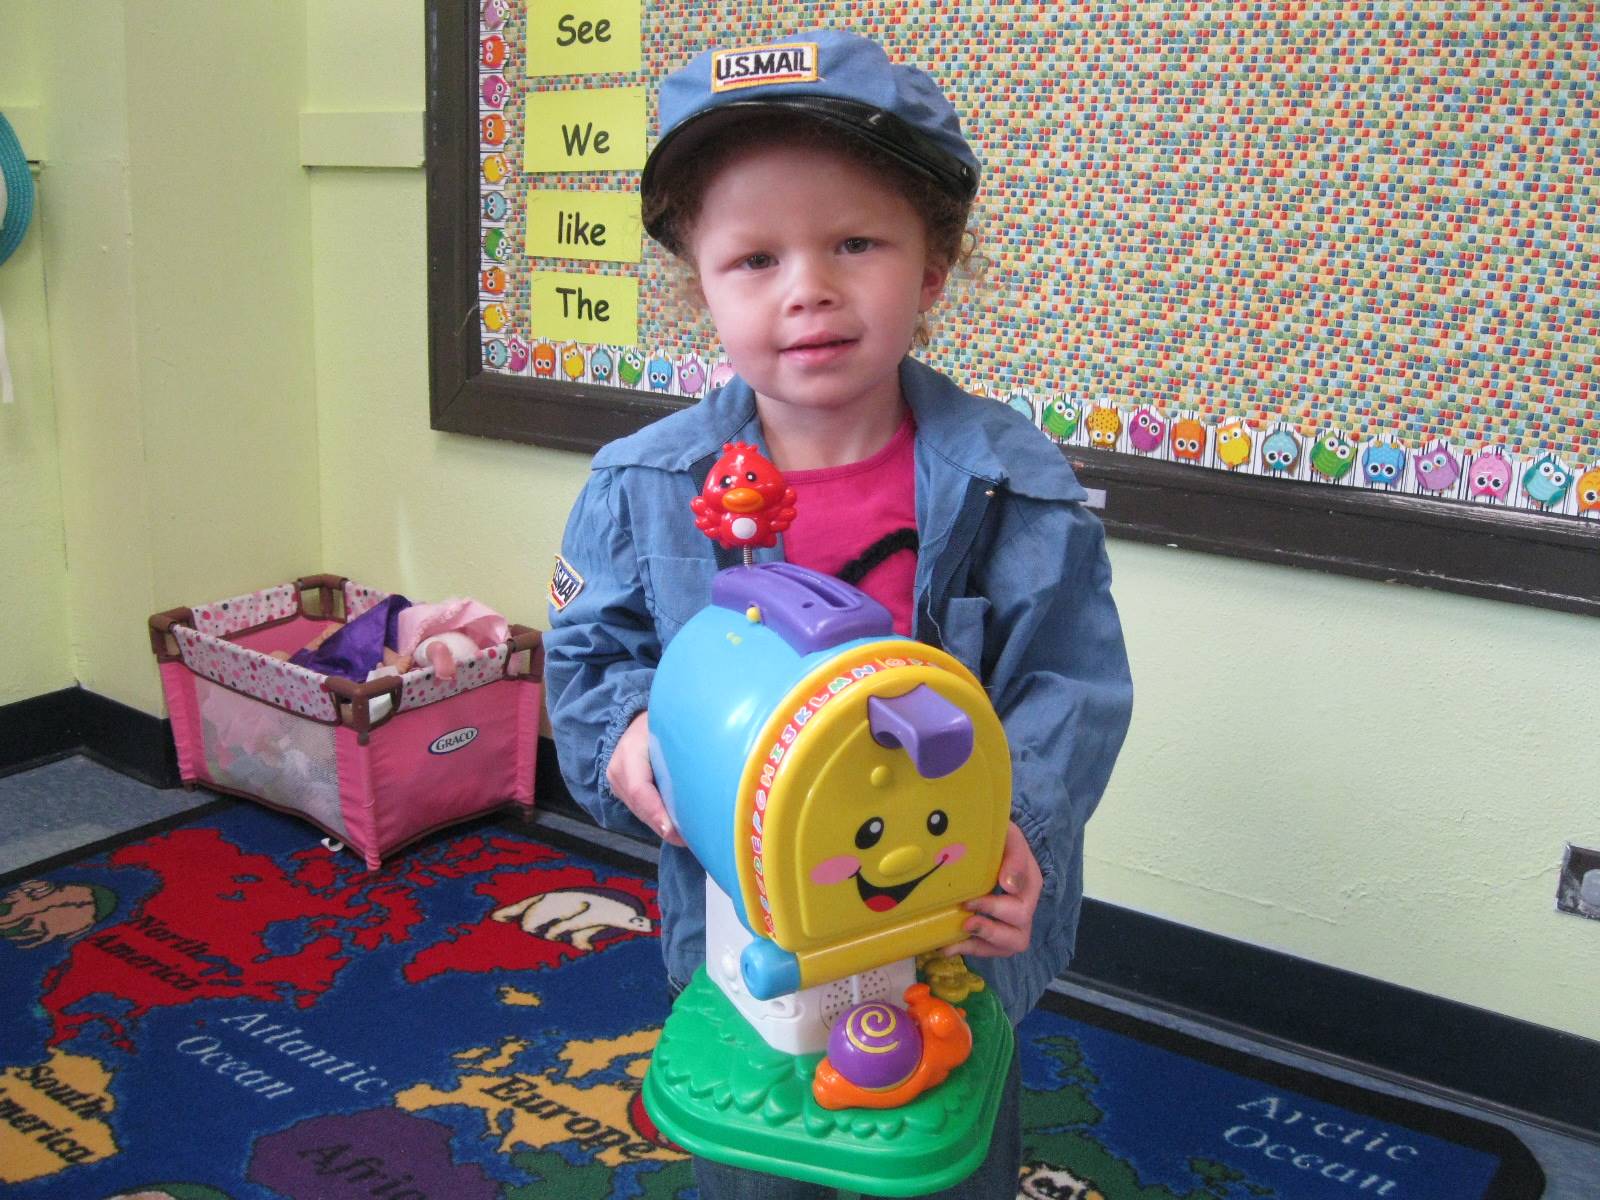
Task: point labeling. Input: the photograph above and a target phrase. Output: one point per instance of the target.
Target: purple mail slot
(809, 610)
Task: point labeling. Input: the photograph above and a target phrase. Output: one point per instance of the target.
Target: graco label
(454, 740)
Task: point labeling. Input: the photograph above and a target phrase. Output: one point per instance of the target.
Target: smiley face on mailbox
(894, 811)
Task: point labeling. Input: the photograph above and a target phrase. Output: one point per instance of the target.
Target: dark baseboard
(75, 721)
(133, 742)
(1411, 1036)
(38, 730)
(1432, 1042)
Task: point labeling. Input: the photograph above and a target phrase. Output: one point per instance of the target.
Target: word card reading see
(596, 37)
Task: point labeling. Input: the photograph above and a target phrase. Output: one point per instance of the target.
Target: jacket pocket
(965, 620)
(675, 589)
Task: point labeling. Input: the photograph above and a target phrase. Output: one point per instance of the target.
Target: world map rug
(219, 1008)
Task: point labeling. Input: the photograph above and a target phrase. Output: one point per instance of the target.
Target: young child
(818, 195)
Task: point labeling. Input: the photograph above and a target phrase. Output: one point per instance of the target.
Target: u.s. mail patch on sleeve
(565, 584)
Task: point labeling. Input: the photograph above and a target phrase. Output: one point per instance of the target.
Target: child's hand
(1002, 925)
(634, 783)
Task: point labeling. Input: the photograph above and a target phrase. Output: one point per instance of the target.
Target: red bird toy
(745, 502)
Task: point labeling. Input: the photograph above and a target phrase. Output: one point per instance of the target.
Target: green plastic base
(722, 1093)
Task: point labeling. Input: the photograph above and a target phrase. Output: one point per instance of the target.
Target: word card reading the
(594, 226)
(596, 37)
(599, 129)
(585, 308)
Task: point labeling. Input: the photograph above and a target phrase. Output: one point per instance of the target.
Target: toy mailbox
(847, 788)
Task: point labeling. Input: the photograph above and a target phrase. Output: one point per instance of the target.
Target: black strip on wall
(38, 729)
(75, 721)
(1434, 1042)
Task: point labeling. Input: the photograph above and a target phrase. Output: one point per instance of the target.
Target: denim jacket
(1012, 578)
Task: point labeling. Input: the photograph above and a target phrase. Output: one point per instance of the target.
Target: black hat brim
(879, 129)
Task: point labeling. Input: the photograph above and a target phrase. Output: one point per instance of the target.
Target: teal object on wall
(16, 191)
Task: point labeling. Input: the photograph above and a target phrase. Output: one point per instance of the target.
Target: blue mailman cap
(840, 79)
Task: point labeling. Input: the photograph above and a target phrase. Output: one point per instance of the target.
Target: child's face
(815, 272)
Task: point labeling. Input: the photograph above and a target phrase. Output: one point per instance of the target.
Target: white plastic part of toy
(797, 1023)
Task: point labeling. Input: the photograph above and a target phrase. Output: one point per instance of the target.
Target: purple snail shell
(875, 1045)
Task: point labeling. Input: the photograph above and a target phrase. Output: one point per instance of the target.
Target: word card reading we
(598, 129)
(596, 37)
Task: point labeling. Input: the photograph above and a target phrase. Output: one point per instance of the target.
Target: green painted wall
(222, 281)
(427, 513)
(35, 651)
(1375, 777)
(174, 235)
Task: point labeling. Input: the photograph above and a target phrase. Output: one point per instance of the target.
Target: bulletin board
(1310, 283)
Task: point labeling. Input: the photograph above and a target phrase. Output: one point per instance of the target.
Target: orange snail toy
(883, 1056)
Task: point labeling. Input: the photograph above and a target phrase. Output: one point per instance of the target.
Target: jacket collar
(980, 438)
(679, 440)
(984, 438)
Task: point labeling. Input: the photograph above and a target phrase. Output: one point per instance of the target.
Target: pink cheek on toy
(953, 853)
(836, 870)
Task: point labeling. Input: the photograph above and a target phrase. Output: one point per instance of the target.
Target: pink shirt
(847, 518)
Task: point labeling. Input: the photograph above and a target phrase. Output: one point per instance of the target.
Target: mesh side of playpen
(260, 750)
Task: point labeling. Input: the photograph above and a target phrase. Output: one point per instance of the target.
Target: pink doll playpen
(375, 764)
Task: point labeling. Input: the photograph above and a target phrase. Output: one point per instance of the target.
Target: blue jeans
(995, 1178)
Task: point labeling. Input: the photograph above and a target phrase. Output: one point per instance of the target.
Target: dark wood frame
(1454, 546)
(1548, 561)
(463, 397)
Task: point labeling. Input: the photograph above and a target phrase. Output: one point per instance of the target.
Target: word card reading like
(594, 226)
